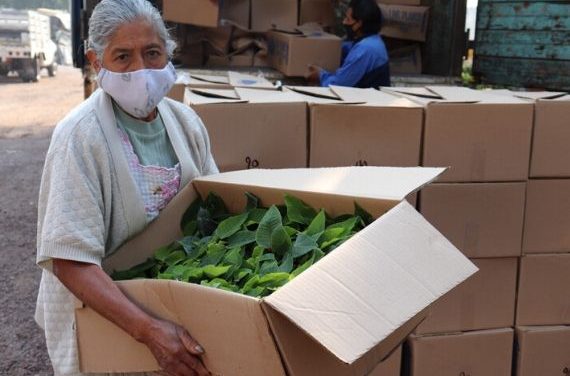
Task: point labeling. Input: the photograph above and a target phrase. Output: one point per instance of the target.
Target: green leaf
(256, 292)
(215, 206)
(255, 216)
(317, 225)
(212, 271)
(270, 221)
(252, 201)
(252, 282)
(268, 267)
(366, 217)
(242, 273)
(162, 253)
(338, 230)
(175, 258)
(287, 263)
(230, 226)
(241, 238)
(220, 284)
(190, 228)
(280, 241)
(303, 245)
(205, 223)
(214, 254)
(298, 211)
(234, 257)
(193, 274)
(190, 215)
(274, 280)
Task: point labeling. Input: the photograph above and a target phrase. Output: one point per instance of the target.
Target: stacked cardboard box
(234, 33)
(543, 314)
(404, 30)
(485, 138)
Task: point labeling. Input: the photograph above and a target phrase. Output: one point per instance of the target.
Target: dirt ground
(28, 113)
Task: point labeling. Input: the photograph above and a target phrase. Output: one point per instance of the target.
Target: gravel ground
(28, 113)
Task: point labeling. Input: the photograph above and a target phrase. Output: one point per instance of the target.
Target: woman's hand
(177, 353)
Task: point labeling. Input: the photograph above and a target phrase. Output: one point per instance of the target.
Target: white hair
(109, 15)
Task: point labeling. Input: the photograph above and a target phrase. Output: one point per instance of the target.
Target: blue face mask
(138, 92)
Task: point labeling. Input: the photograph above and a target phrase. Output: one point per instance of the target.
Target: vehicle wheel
(52, 69)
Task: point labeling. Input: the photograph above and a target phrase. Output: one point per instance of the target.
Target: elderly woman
(114, 162)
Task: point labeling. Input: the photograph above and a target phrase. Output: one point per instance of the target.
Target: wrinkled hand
(177, 353)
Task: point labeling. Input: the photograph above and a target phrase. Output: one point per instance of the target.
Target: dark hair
(369, 13)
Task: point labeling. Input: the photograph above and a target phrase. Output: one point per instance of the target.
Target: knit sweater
(89, 204)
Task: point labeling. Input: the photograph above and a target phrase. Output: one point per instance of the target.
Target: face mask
(138, 92)
(350, 33)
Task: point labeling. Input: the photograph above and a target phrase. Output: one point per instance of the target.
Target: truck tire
(52, 69)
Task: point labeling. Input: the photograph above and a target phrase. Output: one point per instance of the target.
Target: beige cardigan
(89, 203)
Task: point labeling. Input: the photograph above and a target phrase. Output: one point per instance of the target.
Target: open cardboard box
(340, 317)
(483, 137)
(207, 13)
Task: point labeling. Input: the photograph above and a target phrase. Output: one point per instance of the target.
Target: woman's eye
(153, 53)
(122, 57)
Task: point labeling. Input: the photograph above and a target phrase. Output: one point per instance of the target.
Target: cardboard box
(487, 352)
(543, 350)
(292, 53)
(227, 80)
(482, 137)
(484, 301)
(381, 130)
(406, 60)
(268, 130)
(405, 22)
(547, 218)
(481, 219)
(207, 12)
(550, 151)
(319, 11)
(543, 297)
(382, 280)
(233, 60)
(390, 366)
(274, 14)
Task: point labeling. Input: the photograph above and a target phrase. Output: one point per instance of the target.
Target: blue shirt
(359, 58)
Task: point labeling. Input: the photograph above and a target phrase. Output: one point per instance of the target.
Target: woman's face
(132, 47)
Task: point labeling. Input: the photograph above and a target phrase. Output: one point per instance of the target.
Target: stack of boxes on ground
(404, 31)
(515, 229)
(284, 34)
(543, 304)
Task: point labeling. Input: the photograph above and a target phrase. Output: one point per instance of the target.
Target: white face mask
(138, 92)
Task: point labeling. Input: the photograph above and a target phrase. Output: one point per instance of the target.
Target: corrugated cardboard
(384, 130)
(390, 366)
(482, 137)
(547, 219)
(274, 14)
(292, 53)
(207, 12)
(550, 151)
(481, 219)
(543, 296)
(382, 280)
(484, 301)
(319, 11)
(269, 131)
(405, 22)
(543, 350)
(485, 353)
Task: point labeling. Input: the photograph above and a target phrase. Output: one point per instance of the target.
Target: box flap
(371, 97)
(316, 91)
(268, 96)
(384, 183)
(537, 95)
(224, 80)
(399, 265)
(467, 95)
(415, 91)
(210, 96)
(247, 80)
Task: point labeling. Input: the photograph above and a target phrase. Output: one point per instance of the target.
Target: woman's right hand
(177, 353)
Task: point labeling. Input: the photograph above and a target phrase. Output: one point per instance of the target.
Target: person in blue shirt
(364, 56)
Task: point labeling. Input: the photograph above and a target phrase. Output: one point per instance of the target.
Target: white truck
(25, 44)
